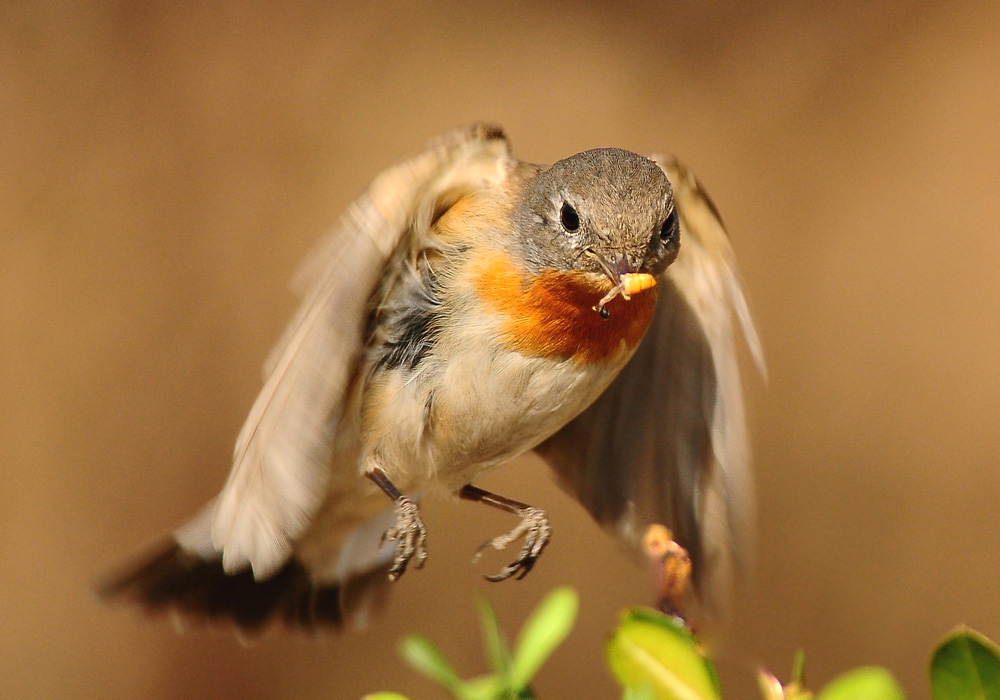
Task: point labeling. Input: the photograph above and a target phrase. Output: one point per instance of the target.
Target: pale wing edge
(282, 454)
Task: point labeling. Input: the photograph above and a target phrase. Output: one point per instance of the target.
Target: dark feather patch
(409, 326)
(172, 579)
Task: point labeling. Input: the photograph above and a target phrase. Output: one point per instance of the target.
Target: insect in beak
(627, 284)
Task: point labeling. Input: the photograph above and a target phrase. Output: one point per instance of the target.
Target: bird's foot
(534, 527)
(410, 536)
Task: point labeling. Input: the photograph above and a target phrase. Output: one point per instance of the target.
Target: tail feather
(169, 578)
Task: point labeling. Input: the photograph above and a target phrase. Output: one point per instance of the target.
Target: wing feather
(666, 442)
(282, 456)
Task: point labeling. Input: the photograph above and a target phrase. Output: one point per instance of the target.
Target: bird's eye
(569, 218)
(670, 227)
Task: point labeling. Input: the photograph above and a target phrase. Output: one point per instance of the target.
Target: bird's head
(607, 213)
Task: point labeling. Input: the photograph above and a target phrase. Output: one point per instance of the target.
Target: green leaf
(424, 656)
(865, 683)
(639, 692)
(544, 630)
(494, 640)
(966, 666)
(385, 696)
(488, 687)
(650, 648)
(798, 676)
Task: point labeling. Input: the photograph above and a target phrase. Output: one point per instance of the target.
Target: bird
(469, 308)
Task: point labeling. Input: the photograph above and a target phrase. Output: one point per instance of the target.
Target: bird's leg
(534, 527)
(408, 531)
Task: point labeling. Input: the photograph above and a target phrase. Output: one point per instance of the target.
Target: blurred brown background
(162, 170)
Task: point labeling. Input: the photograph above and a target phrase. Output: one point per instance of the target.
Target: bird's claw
(534, 527)
(410, 536)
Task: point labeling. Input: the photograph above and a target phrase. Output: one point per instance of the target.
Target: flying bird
(466, 309)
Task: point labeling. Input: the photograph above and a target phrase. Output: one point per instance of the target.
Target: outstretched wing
(281, 461)
(666, 442)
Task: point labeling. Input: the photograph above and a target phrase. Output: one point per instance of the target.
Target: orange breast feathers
(552, 314)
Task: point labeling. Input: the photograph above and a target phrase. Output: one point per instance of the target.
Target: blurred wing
(281, 460)
(666, 442)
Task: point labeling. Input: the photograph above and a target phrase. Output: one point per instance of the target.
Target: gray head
(603, 206)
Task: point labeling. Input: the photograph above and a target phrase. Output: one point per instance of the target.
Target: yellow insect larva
(635, 282)
(628, 284)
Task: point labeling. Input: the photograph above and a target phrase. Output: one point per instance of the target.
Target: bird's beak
(625, 284)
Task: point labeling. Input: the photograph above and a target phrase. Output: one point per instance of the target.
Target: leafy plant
(512, 671)
(655, 657)
(865, 683)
